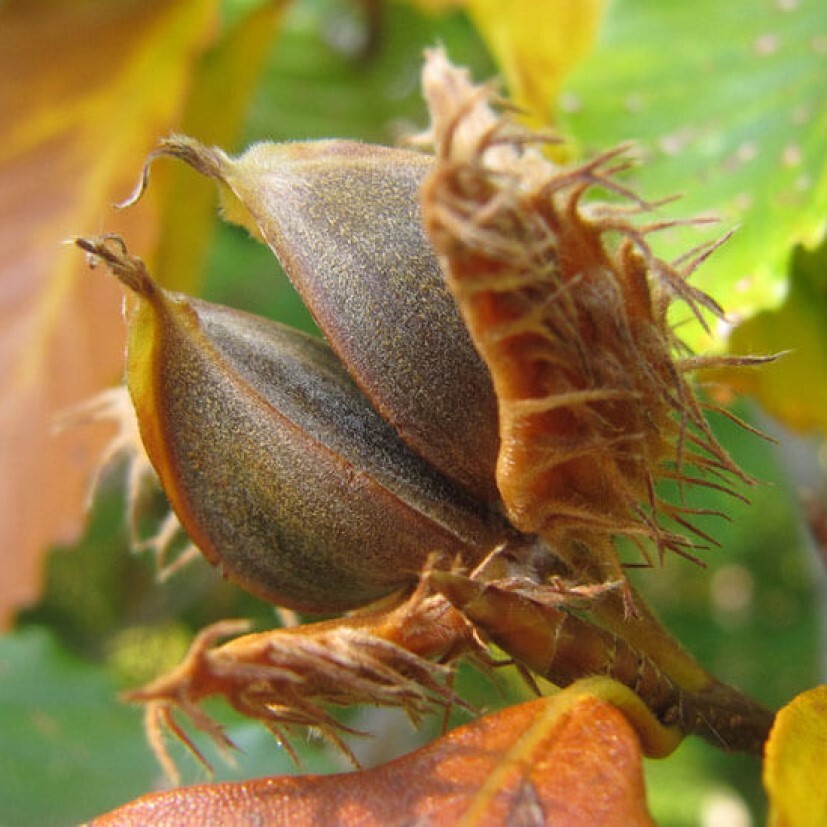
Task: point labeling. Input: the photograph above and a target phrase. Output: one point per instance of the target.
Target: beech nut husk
(502, 397)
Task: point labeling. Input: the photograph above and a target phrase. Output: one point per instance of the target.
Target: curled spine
(285, 678)
(114, 406)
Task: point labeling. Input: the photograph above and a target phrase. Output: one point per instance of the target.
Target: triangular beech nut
(275, 462)
(343, 219)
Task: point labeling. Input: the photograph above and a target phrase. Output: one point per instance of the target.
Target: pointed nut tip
(209, 161)
(112, 250)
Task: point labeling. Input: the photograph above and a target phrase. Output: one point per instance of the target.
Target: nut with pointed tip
(276, 464)
(343, 218)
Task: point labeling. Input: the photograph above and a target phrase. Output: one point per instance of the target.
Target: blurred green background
(71, 750)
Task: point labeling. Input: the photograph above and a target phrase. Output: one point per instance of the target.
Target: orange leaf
(569, 759)
(795, 775)
(86, 89)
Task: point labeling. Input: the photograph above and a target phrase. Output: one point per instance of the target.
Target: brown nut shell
(344, 220)
(277, 465)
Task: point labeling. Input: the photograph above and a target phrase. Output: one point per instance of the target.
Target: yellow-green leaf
(793, 388)
(795, 772)
(537, 43)
(217, 103)
(86, 89)
(436, 6)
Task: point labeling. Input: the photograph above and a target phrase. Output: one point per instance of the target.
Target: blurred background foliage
(727, 107)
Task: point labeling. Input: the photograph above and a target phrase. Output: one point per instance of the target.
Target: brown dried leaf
(565, 760)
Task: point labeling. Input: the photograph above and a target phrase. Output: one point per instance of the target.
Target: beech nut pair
(318, 488)
(497, 400)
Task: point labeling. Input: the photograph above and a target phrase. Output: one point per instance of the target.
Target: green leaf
(222, 87)
(319, 85)
(69, 751)
(72, 750)
(726, 103)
